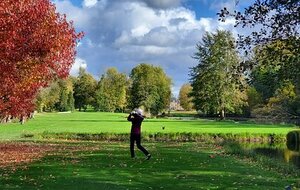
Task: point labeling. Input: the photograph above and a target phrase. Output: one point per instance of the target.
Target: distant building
(175, 105)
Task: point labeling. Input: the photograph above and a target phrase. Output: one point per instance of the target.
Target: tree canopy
(216, 80)
(276, 20)
(111, 91)
(58, 96)
(150, 88)
(274, 44)
(184, 97)
(84, 90)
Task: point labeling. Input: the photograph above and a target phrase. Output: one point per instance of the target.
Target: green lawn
(173, 166)
(95, 122)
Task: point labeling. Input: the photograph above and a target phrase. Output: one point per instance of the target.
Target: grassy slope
(91, 122)
(173, 166)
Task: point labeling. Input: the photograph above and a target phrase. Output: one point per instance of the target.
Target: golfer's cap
(139, 111)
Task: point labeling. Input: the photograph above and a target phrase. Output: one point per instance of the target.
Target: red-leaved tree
(36, 45)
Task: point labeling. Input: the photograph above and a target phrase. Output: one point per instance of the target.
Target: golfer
(136, 117)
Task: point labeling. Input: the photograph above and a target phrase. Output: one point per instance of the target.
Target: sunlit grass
(96, 122)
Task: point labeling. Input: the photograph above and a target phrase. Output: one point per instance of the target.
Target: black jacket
(136, 121)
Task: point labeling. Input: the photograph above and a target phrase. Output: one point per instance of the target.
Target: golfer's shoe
(148, 157)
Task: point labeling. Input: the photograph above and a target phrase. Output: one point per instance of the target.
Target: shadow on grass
(183, 166)
(96, 120)
(125, 120)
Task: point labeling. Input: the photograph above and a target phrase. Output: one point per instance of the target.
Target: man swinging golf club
(136, 117)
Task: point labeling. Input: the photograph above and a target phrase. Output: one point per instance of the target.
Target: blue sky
(124, 33)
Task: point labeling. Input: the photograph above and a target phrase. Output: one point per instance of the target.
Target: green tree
(56, 96)
(71, 101)
(254, 100)
(48, 97)
(185, 98)
(84, 90)
(217, 80)
(62, 104)
(111, 91)
(254, 97)
(275, 61)
(263, 79)
(284, 103)
(276, 45)
(277, 20)
(66, 99)
(276, 40)
(150, 88)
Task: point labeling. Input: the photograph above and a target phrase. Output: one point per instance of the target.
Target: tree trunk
(22, 119)
(3, 119)
(222, 114)
(8, 119)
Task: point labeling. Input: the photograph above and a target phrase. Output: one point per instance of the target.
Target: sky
(125, 33)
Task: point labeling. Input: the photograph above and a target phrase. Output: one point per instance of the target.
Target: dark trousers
(137, 139)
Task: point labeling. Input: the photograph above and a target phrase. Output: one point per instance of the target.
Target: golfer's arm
(129, 118)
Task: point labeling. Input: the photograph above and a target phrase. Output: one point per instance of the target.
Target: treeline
(265, 86)
(263, 83)
(147, 86)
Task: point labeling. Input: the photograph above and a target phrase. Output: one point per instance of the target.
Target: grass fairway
(95, 122)
(104, 165)
(173, 166)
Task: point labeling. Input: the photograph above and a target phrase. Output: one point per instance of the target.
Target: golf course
(116, 123)
(47, 153)
(149, 95)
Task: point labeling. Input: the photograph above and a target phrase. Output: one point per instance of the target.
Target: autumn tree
(185, 98)
(37, 45)
(150, 88)
(111, 91)
(216, 80)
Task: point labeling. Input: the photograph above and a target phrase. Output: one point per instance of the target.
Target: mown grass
(173, 166)
(116, 123)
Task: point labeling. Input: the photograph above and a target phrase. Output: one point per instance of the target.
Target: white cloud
(78, 63)
(73, 13)
(89, 3)
(140, 30)
(124, 33)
